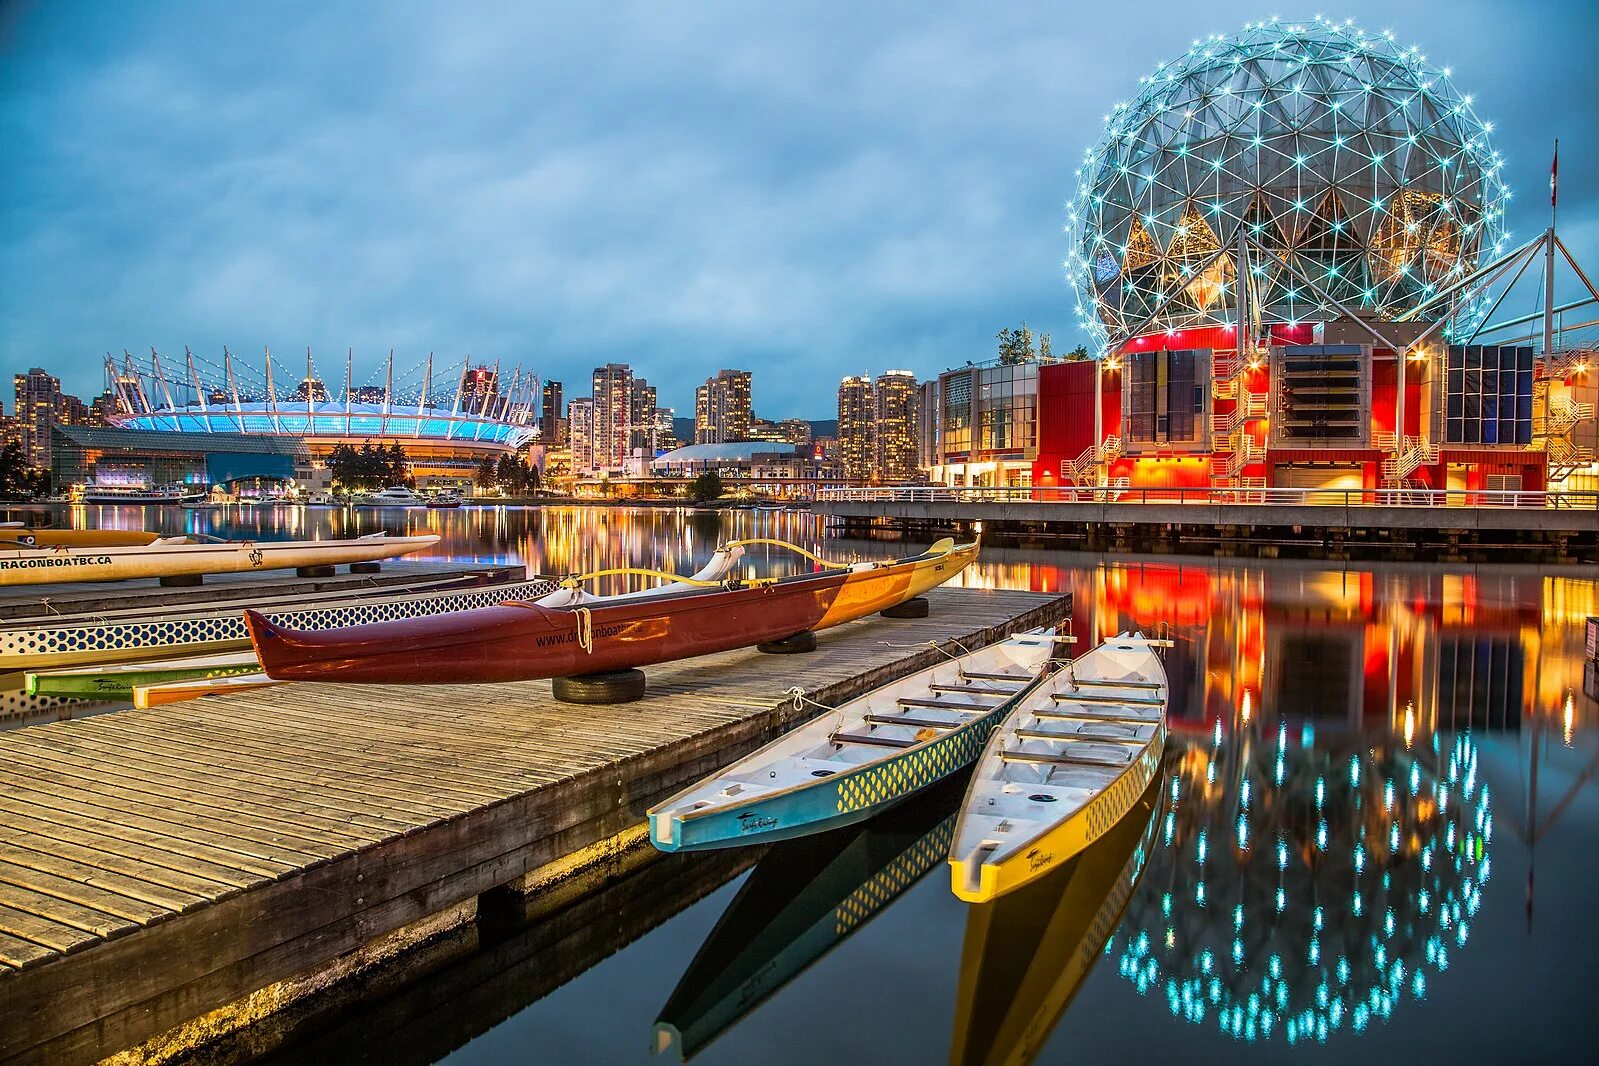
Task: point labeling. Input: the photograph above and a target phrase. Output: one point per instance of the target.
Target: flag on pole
(1554, 174)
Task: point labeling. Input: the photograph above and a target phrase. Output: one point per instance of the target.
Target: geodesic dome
(1354, 161)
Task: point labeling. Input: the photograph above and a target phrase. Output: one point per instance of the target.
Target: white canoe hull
(41, 566)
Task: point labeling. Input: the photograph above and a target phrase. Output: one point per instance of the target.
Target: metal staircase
(1411, 454)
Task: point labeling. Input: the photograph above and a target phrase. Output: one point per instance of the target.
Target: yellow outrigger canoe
(1063, 769)
(77, 538)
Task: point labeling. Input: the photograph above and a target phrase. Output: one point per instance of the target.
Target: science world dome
(1336, 165)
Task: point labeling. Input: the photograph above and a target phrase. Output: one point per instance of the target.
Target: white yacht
(395, 496)
(138, 494)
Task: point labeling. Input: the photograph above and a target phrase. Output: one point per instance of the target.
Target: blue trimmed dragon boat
(855, 760)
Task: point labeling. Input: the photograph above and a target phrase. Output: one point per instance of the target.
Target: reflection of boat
(76, 538)
(1026, 954)
(139, 494)
(181, 557)
(859, 758)
(151, 633)
(803, 898)
(523, 641)
(116, 682)
(1063, 769)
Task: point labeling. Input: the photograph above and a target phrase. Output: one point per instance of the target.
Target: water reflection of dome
(1299, 889)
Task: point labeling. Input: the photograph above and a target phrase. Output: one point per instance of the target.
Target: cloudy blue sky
(803, 189)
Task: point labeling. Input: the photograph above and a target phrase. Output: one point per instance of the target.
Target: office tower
(894, 451)
(38, 397)
(855, 412)
(613, 411)
(551, 424)
(722, 408)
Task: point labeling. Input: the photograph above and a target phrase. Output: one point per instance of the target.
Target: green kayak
(116, 681)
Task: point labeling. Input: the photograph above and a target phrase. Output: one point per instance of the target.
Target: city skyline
(880, 219)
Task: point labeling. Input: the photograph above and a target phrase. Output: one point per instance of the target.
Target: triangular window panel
(1141, 248)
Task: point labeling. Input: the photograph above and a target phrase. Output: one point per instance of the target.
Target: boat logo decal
(753, 822)
(55, 560)
(1037, 860)
(551, 640)
(257, 556)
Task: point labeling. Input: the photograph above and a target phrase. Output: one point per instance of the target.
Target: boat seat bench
(866, 738)
(975, 690)
(1105, 682)
(945, 705)
(1095, 716)
(977, 675)
(1044, 759)
(1120, 701)
(1078, 738)
(914, 723)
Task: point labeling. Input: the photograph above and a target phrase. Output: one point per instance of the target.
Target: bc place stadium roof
(358, 421)
(457, 404)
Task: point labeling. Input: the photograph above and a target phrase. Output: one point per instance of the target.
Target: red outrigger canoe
(525, 641)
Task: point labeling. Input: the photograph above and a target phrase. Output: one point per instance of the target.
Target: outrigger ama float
(575, 636)
(62, 558)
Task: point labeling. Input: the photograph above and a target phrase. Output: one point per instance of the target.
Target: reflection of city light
(1410, 723)
(1337, 932)
(1570, 718)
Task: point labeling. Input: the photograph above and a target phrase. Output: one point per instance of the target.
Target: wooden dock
(159, 864)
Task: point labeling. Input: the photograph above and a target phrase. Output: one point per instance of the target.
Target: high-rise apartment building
(613, 414)
(552, 428)
(855, 413)
(665, 434)
(38, 398)
(722, 408)
(894, 447)
(480, 389)
(580, 432)
(104, 409)
(644, 432)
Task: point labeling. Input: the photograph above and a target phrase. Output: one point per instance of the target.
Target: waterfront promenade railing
(1528, 500)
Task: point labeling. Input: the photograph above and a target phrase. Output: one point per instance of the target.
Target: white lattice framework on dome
(1326, 156)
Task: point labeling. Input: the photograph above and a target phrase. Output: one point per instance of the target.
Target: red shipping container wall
(1066, 415)
(1384, 378)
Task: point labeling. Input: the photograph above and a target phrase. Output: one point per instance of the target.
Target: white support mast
(388, 395)
(233, 386)
(199, 390)
(349, 359)
(272, 393)
(161, 379)
(427, 379)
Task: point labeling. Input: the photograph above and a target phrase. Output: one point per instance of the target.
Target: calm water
(1378, 836)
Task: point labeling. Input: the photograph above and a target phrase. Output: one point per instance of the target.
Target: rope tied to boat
(800, 700)
(585, 628)
(934, 645)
